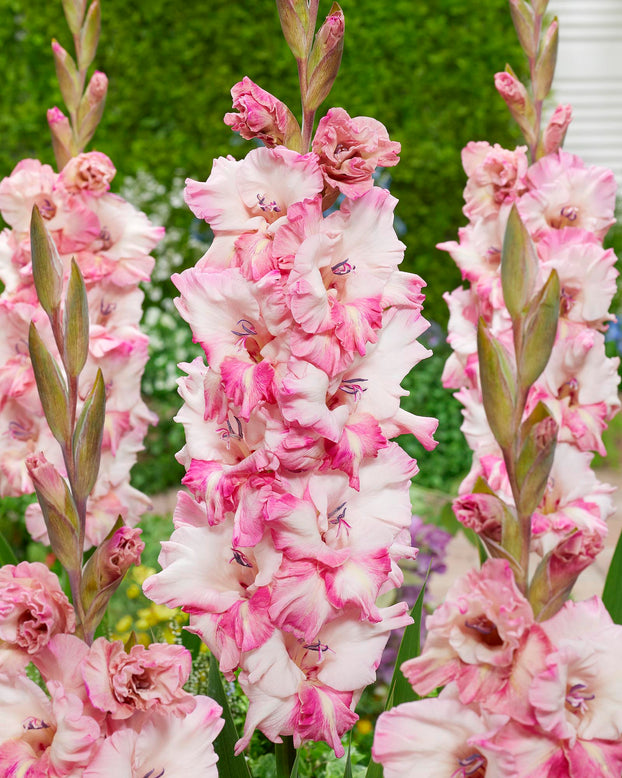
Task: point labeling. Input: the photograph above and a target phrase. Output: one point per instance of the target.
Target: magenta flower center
(354, 387)
(485, 631)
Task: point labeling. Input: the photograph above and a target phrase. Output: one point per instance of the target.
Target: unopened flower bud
(325, 58)
(58, 509)
(559, 570)
(62, 137)
(545, 64)
(483, 513)
(68, 76)
(512, 91)
(97, 88)
(544, 432)
(91, 107)
(118, 553)
(518, 101)
(556, 128)
(262, 116)
(105, 569)
(294, 17)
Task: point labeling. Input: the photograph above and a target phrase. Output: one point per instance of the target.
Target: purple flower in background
(432, 543)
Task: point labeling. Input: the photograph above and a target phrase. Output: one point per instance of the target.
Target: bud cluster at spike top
(110, 241)
(526, 698)
(299, 504)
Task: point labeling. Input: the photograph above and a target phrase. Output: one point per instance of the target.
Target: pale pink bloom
(573, 499)
(90, 173)
(495, 177)
(566, 193)
(478, 252)
(60, 661)
(338, 276)
(302, 399)
(44, 736)
(31, 183)
(258, 190)
(578, 695)
(307, 688)
(121, 251)
(587, 274)
(350, 149)
(224, 312)
(9, 272)
(205, 572)
(371, 384)
(142, 680)
(529, 752)
(473, 636)
(579, 385)
(163, 745)
(555, 131)
(371, 516)
(260, 115)
(434, 738)
(33, 608)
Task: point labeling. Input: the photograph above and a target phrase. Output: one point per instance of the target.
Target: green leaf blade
(612, 593)
(228, 764)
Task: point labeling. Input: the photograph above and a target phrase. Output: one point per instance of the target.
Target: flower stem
(285, 754)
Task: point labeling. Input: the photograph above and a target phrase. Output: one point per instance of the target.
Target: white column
(589, 77)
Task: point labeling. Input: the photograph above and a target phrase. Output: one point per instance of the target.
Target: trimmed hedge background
(423, 68)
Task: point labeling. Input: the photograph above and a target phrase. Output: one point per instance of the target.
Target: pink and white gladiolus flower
(33, 608)
(299, 505)
(111, 242)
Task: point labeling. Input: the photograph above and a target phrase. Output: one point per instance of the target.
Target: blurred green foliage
(424, 69)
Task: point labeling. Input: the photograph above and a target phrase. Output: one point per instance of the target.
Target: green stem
(285, 754)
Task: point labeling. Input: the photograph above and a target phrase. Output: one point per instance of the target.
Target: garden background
(424, 69)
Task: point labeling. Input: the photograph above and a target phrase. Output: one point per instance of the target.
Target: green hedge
(425, 69)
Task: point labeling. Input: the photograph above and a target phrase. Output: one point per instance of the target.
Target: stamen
(570, 212)
(353, 386)
(337, 517)
(19, 431)
(240, 558)
(271, 207)
(470, 766)
(107, 308)
(21, 348)
(577, 698)
(343, 268)
(32, 723)
(47, 208)
(227, 433)
(245, 329)
(319, 647)
(153, 774)
(105, 237)
(569, 389)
